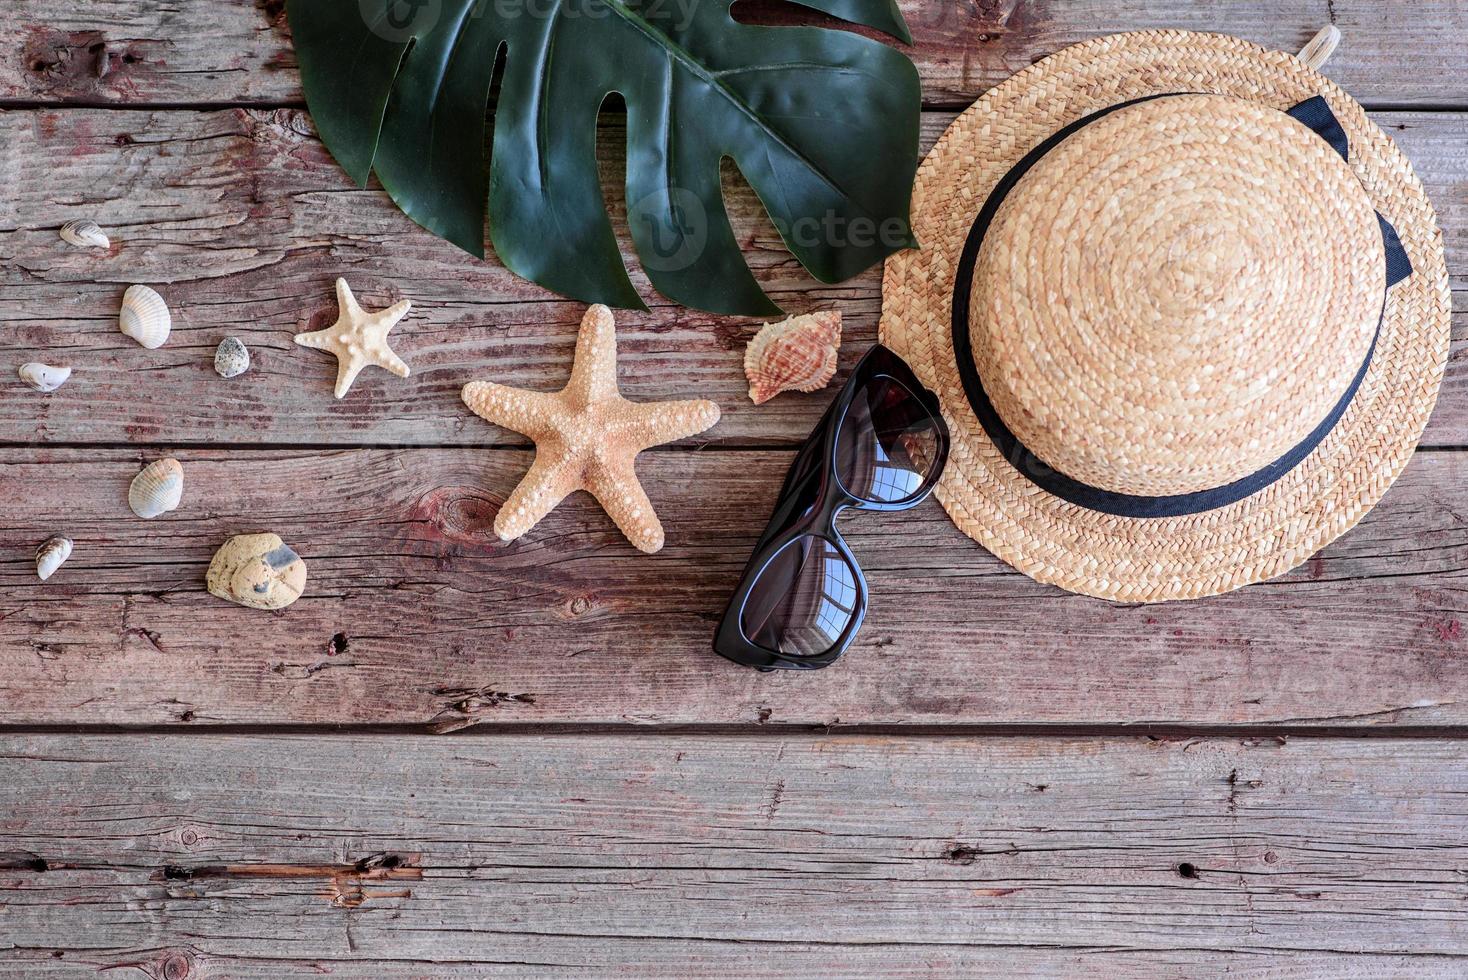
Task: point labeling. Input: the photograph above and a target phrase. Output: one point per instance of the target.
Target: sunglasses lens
(803, 600)
(888, 444)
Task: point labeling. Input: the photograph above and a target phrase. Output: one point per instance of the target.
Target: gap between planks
(770, 731)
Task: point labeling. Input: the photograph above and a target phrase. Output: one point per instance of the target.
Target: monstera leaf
(822, 122)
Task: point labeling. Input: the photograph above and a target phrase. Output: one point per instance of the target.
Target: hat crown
(1176, 294)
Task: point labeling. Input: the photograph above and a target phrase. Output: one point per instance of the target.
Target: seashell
(157, 489)
(257, 570)
(43, 377)
(232, 358)
(798, 354)
(84, 234)
(50, 555)
(144, 317)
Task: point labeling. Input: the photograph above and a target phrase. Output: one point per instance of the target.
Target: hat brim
(1215, 551)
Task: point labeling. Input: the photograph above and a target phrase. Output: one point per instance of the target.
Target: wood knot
(464, 707)
(63, 54)
(457, 515)
(78, 63)
(177, 965)
(961, 854)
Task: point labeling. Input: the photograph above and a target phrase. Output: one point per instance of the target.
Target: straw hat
(1185, 307)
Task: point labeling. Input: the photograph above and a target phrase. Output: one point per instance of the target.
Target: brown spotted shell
(798, 354)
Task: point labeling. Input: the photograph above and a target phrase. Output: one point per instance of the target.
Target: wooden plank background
(458, 758)
(248, 221)
(415, 613)
(237, 52)
(715, 855)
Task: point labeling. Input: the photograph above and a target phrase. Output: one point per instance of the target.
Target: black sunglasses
(880, 446)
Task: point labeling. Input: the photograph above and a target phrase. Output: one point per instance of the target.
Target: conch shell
(144, 317)
(43, 377)
(798, 354)
(257, 570)
(50, 555)
(157, 489)
(84, 234)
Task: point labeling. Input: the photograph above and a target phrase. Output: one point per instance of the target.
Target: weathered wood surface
(246, 218)
(238, 51)
(664, 856)
(415, 613)
(638, 958)
(618, 851)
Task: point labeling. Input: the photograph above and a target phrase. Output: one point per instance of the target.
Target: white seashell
(798, 354)
(144, 317)
(50, 555)
(85, 234)
(157, 489)
(257, 570)
(232, 358)
(43, 377)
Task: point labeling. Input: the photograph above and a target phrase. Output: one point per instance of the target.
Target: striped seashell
(84, 234)
(43, 377)
(157, 489)
(144, 317)
(50, 555)
(798, 354)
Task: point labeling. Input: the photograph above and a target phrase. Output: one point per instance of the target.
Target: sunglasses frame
(817, 459)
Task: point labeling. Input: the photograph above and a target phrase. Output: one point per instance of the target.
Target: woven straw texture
(1094, 400)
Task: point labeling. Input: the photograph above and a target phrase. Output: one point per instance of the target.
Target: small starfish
(358, 338)
(586, 437)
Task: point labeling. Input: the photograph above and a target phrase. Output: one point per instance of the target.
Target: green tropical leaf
(823, 123)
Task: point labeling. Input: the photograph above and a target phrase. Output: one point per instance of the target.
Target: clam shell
(258, 571)
(43, 377)
(144, 317)
(232, 358)
(50, 555)
(157, 489)
(84, 234)
(798, 354)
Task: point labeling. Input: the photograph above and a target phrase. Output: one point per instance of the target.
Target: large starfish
(358, 338)
(586, 437)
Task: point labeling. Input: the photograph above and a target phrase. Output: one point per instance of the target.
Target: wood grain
(238, 52)
(244, 221)
(706, 856)
(556, 955)
(773, 849)
(416, 614)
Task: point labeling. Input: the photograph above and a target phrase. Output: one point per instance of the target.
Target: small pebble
(232, 359)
